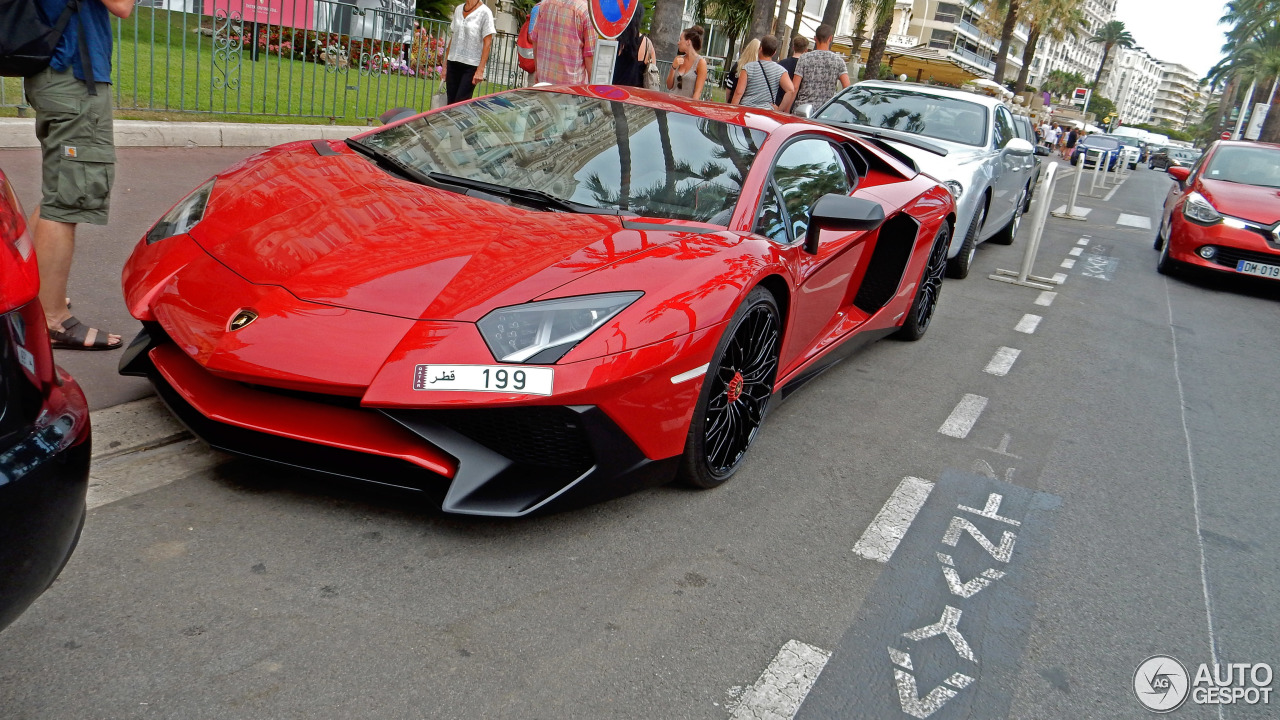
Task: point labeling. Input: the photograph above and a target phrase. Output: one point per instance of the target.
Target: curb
(21, 133)
(133, 427)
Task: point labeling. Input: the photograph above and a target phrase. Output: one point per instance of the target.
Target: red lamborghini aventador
(535, 299)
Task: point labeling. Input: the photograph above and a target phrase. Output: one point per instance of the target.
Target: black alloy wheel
(735, 393)
(926, 302)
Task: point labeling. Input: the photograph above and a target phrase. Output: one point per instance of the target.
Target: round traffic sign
(1225, 135)
(611, 17)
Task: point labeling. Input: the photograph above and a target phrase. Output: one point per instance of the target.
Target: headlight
(542, 332)
(183, 216)
(955, 187)
(1197, 209)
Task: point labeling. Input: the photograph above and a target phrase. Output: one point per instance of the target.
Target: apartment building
(953, 28)
(1178, 100)
(1074, 53)
(1132, 80)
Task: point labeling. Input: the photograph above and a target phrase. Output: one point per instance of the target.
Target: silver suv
(965, 140)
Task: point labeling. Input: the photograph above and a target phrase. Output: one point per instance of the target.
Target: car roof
(766, 121)
(936, 91)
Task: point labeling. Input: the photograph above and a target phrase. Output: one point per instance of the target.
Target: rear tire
(958, 266)
(735, 393)
(930, 290)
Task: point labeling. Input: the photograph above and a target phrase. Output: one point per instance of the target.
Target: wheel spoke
(741, 388)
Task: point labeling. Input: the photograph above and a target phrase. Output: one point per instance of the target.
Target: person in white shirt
(470, 38)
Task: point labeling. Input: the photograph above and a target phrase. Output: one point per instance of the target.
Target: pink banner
(288, 13)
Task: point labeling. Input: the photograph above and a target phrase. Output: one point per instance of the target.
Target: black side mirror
(1042, 151)
(841, 212)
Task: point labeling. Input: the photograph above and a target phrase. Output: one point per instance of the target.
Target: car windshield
(917, 113)
(1102, 143)
(1184, 154)
(590, 151)
(1245, 165)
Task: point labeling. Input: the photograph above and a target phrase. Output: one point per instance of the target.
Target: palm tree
(1054, 19)
(831, 12)
(880, 38)
(732, 16)
(860, 10)
(1061, 82)
(1110, 35)
(1252, 55)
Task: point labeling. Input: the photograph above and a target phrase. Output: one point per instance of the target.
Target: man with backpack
(72, 100)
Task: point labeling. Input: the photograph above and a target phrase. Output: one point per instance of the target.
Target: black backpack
(728, 82)
(29, 39)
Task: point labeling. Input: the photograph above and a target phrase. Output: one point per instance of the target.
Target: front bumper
(505, 461)
(1230, 245)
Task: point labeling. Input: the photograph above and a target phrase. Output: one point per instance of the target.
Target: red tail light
(19, 277)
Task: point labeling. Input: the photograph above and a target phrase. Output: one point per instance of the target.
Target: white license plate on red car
(516, 379)
(1249, 267)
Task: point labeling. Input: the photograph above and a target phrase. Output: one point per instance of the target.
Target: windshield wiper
(538, 198)
(394, 164)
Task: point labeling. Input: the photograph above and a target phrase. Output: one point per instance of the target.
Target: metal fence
(283, 58)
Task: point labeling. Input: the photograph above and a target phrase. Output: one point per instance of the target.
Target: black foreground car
(44, 431)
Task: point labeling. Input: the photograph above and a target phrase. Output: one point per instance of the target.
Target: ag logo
(1161, 683)
(242, 318)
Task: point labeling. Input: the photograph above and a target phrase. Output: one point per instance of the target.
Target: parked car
(1022, 124)
(1223, 214)
(1130, 149)
(1168, 157)
(966, 140)
(526, 325)
(44, 430)
(1099, 143)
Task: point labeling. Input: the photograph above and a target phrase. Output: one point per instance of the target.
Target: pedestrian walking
(688, 71)
(72, 100)
(635, 54)
(1073, 137)
(759, 82)
(750, 53)
(799, 46)
(820, 73)
(470, 38)
(564, 42)
(1051, 136)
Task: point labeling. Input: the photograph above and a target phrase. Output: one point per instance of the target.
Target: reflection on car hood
(340, 231)
(1249, 202)
(958, 164)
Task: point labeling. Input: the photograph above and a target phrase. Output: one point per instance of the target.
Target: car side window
(1004, 127)
(772, 221)
(805, 171)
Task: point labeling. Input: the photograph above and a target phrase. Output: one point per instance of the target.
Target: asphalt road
(148, 182)
(1118, 472)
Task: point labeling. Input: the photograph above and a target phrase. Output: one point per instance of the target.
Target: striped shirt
(562, 38)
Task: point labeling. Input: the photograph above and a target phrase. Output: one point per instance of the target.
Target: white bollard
(1070, 211)
(1097, 171)
(1039, 216)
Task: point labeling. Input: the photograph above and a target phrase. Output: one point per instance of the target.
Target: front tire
(1167, 265)
(958, 266)
(1009, 232)
(926, 301)
(735, 393)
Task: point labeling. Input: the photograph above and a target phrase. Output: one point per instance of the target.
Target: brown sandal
(73, 334)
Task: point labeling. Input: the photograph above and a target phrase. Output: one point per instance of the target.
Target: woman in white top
(758, 81)
(470, 38)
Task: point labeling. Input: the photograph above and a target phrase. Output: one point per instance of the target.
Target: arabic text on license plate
(518, 379)
(1252, 268)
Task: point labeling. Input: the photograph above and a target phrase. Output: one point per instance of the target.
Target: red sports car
(535, 299)
(1224, 213)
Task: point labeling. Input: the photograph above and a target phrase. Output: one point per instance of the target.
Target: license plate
(1252, 268)
(517, 379)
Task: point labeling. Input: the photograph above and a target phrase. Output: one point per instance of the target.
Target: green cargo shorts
(78, 146)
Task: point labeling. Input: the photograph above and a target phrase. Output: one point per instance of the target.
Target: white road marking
(1028, 323)
(962, 418)
(1113, 191)
(1082, 241)
(1081, 211)
(1046, 298)
(884, 533)
(1059, 278)
(1138, 221)
(1068, 263)
(1195, 488)
(685, 376)
(1002, 361)
(783, 685)
(1075, 251)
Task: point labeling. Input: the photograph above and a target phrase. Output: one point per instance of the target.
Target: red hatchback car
(536, 299)
(1224, 213)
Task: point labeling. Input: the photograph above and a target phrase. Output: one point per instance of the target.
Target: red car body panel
(327, 250)
(1255, 204)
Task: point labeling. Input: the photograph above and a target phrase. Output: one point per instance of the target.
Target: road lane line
(1082, 241)
(962, 418)
(884, 533)
(1195, 488)
(1002, 361)
(1075, 251)
(1113, 191)
(1059, 278)
(1028, 323)
(1068, 263)
(1046, 298)
(783, 685)
(1138, 221)
(1081, 211)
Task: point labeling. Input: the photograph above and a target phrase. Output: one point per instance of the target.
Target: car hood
(338, 230)
(1249, 202)
(958, 164)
